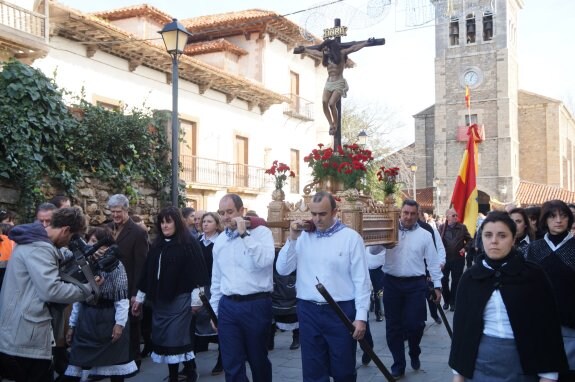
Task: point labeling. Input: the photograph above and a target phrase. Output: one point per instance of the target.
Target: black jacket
(532, 311)
(182, 269)
(560, 268)
(454, 238)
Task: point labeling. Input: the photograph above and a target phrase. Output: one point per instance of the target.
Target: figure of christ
(334, 59)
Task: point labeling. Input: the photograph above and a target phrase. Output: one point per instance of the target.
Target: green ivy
(41, 137)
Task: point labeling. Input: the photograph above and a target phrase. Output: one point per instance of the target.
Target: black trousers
(22, 369)
(455, 269)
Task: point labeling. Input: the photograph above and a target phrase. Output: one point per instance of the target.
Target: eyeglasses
(454, 215)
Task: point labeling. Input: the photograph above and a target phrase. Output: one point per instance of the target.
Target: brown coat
(133, 247)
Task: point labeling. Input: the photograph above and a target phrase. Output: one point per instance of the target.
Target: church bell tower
(475, 47)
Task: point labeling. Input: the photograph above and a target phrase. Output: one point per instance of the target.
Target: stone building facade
(527, 137)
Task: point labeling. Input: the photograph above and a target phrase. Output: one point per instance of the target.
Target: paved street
(287, 363)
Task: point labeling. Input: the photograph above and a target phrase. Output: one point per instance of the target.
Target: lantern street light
(362, 138)
(413, 168)
(175, 38)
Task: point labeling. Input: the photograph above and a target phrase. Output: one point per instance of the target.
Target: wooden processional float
(376, 222)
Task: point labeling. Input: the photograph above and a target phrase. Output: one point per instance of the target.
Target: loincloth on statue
(339, 86)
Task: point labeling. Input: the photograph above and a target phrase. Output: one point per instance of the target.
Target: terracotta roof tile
(529, 193)
(135, 11)
(209, 21)
(101, 35)
(424, 197)
(244, 22)
(213, 46)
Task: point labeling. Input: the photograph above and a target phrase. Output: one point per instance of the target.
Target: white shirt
(338, 261)
(375, 259)
(242, 266)
(122, 307)
(206, 241)
(406, 258)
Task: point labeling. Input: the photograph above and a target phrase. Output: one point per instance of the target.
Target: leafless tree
(380, 123)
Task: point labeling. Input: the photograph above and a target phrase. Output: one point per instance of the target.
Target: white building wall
(271, 135)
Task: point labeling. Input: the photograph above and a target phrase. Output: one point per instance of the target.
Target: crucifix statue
(333, 54)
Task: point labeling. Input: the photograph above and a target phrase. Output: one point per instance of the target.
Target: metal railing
(216, 173)
(23, 20)
(299, 107)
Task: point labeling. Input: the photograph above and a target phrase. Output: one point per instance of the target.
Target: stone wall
(92, 196)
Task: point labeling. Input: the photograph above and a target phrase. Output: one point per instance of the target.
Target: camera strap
(87, 271)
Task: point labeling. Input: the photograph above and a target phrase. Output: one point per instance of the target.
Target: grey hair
(119, 200)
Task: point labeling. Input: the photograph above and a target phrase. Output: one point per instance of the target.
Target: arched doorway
(483, 202)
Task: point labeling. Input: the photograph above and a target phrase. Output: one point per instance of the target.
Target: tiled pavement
(286, 363)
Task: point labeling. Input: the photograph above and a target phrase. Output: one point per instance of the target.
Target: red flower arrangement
(388, 176)
(280, 171)
(347, 164)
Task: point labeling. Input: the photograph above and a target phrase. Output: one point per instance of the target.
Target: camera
(84, 254)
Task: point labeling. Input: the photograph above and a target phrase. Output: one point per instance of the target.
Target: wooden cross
(329, 106)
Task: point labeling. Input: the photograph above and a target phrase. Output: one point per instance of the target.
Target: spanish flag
(464, 198)
(467, 98)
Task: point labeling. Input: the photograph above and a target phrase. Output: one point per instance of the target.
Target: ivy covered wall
(81, 150)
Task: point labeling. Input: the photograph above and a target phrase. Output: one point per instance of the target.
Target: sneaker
(445, 306)
(379, 318)
(438, 321)
(452, 309)
(365, 359)
(415, 363)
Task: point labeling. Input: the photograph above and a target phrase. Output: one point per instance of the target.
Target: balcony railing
(299, 107)
(215, 173)
(23, 20)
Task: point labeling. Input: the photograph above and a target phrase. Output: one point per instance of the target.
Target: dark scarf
(519, 239)
(556, 239)
(181, 269)
(496, 264)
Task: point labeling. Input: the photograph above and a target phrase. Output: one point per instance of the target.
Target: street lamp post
(175, 38)
(413, 168)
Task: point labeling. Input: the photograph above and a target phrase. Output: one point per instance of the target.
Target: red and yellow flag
(464, 197)
(467, 98)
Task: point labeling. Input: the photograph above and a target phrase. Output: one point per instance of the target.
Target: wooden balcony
(214, 174)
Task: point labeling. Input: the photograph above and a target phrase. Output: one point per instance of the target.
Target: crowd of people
(79, 305)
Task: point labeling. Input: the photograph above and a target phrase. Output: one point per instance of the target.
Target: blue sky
(403, 69)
